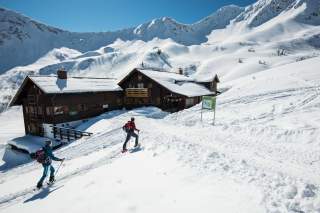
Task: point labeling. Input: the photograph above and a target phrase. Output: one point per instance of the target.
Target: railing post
(68, 135)
(60, 134)
(54, 131)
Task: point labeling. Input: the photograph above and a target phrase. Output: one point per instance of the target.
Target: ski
(47, 185)
(133, 149)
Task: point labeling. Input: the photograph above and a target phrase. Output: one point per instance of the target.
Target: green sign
(209, 102)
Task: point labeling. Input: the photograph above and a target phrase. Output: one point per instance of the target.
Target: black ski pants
(129, 135)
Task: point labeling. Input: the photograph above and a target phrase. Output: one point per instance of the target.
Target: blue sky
(110, 15)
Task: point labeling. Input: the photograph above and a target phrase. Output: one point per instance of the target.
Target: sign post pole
(214, 116)
(201, 109)
(214, 109)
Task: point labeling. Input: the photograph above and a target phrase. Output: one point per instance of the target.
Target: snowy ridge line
(13, 198)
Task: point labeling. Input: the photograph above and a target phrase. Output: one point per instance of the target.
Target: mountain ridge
(30, 39)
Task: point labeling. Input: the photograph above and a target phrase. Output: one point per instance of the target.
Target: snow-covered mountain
(264, 10)
(261, 36)
(23, 40)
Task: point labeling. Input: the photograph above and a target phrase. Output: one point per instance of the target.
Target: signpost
(209, 102)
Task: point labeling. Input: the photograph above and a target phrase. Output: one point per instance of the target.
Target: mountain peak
(265, 10)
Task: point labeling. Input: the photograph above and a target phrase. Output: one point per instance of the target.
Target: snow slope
(23, 40)
(261, 156)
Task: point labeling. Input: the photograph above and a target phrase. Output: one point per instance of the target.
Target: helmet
(132, 118)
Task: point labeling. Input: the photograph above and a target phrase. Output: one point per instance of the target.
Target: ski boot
(39, 185)
(51, 180)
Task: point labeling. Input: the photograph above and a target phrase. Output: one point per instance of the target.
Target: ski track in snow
(243, 149)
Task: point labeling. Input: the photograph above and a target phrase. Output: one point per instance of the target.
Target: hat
(48, 142)
(132, 118)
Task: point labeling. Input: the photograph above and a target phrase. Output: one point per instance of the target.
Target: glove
(62, 159)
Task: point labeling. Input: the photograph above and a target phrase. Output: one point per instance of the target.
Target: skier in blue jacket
(47, 164)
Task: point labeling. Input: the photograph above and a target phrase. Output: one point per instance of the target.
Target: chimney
(62, 74)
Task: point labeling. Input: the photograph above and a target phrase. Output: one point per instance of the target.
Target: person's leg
(44, 174)
(51, 179)
(124, 147)
(137, 139)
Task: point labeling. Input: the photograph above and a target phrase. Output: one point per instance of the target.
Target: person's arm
(54, 157)
(134, 127)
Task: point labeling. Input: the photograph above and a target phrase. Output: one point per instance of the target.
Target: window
(140, 85)
(82, 107)
(189, 102)
(150, 85)
(58, 110)
(39, 110)
(48, 110)
(139, 77)
(119, 101)
(31, 110)
(31, 99)
(73, 110)
(32, 128)
(26, 109)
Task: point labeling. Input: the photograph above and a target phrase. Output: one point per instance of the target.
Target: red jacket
(130, 125)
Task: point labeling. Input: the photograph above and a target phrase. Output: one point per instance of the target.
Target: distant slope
(260, 38)
(23, 40)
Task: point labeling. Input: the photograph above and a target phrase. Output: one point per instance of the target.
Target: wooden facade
(141, 90)
(41, 108)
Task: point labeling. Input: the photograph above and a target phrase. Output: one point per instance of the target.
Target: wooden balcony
(137, 93)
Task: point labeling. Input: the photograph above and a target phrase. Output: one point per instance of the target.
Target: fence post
(68, 135)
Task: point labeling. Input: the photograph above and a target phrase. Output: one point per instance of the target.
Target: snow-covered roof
(177, 83)
(206, 78)
(30, 143)
(52, 84)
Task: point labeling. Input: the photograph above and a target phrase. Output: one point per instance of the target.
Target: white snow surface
(262, 155)
(52, 84)
(177, 83)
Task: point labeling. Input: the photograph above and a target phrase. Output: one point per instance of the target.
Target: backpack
(41, 156)
(126, 127)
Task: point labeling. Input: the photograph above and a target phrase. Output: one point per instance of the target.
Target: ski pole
(58, 168)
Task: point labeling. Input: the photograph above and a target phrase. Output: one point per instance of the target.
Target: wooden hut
(166, 90)
(60, 101)
(210, 83)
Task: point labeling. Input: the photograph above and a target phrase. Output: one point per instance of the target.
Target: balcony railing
(137, 92)
(68, 134)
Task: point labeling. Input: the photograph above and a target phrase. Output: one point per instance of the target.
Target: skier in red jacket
(129, 127)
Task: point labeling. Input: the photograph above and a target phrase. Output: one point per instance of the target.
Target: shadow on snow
(42, 194)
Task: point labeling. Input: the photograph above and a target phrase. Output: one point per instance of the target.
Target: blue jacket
(49, 155)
